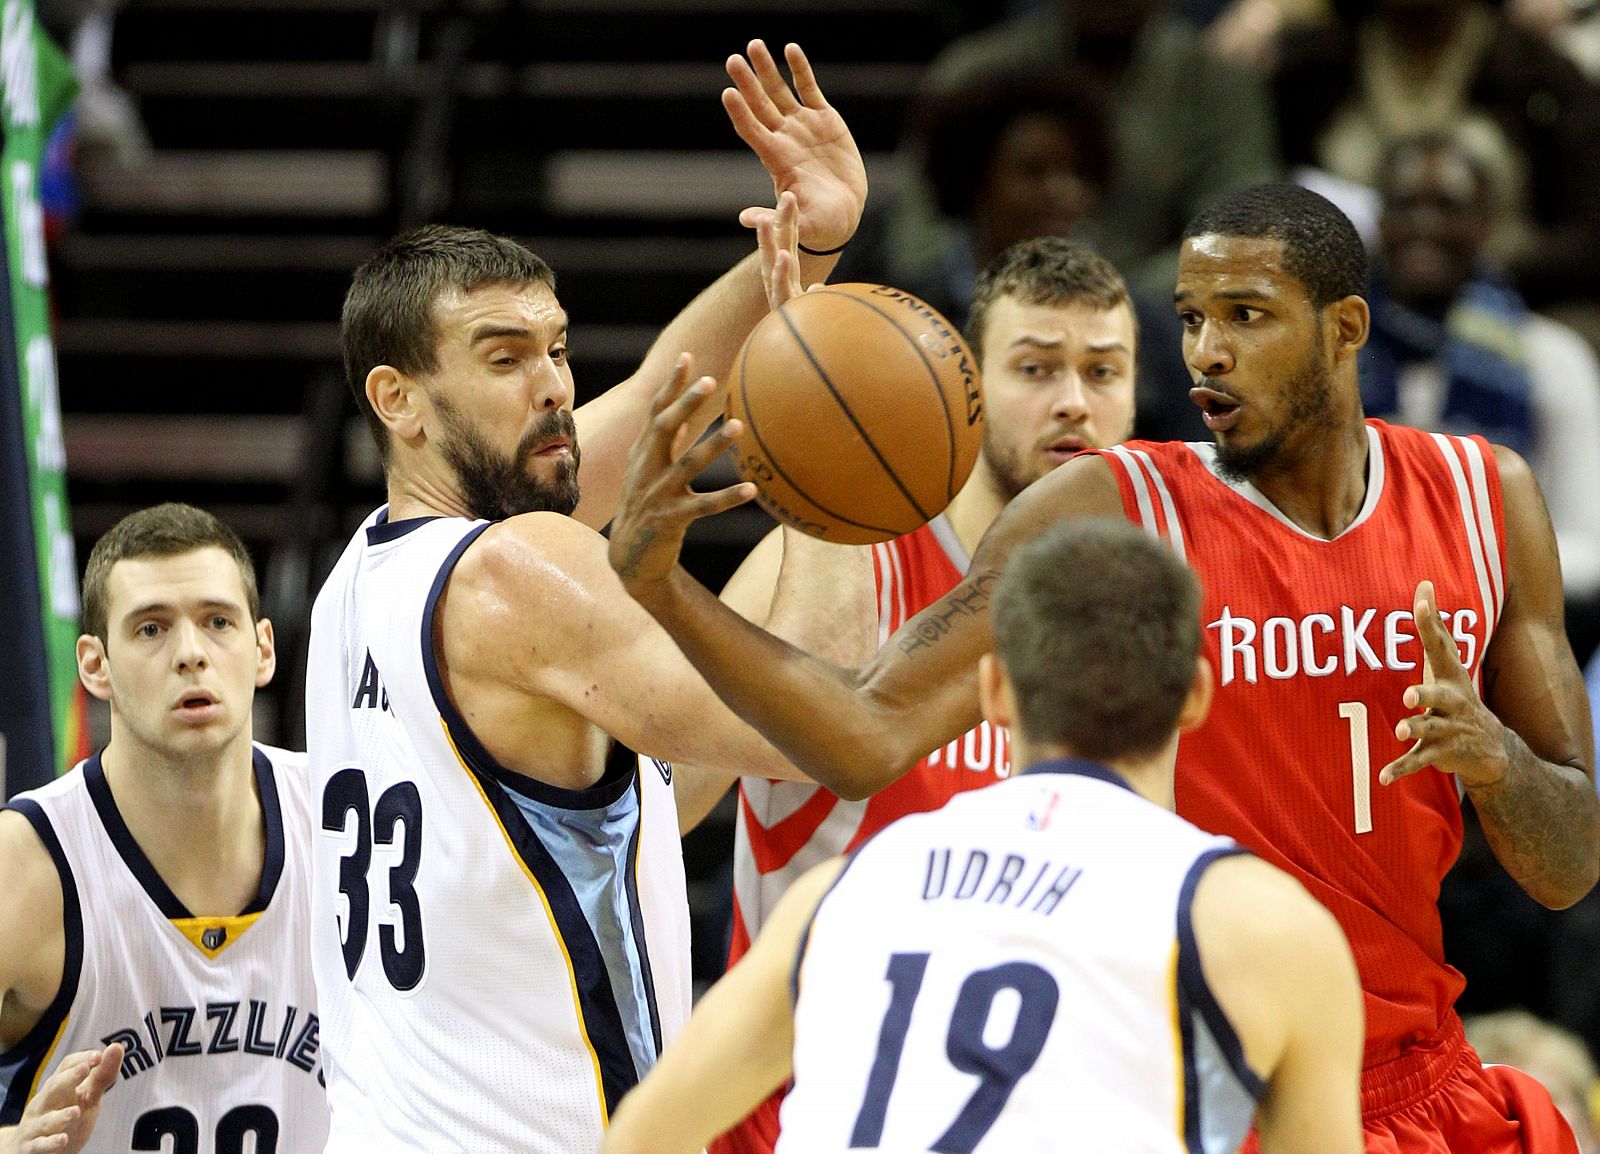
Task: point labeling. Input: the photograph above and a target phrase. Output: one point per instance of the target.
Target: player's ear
(93, 670)
(994, 691)
(1197, 703)
(395, 397)
(266, 653)
(1352, 323)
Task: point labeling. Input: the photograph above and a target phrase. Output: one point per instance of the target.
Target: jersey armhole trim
(479, 760)
(1195, 996)
(25, 1061)
(594, 1000)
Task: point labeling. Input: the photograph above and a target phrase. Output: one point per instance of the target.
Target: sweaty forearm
(1543, 823)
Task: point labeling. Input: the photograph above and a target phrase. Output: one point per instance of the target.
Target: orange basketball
(862, 412)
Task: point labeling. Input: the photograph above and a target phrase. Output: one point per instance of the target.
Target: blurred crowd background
(227, 163)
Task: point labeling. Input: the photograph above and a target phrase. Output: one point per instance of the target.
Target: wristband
(823, 251)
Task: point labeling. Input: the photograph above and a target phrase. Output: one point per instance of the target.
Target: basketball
(862, 412)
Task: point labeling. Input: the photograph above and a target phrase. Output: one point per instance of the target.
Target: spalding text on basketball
(941, 341)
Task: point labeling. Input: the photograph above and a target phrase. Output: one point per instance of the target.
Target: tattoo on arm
(1541, 821)
(639, 546)
(968, 599)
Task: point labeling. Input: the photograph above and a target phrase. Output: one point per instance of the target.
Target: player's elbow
(1567, 891)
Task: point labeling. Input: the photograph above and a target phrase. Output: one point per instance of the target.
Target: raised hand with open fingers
(802, 141)
(60, 1118)
(657, 504)
(1455, 732)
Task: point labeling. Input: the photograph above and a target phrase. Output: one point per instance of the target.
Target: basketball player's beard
(495, 487)
(1310, 410)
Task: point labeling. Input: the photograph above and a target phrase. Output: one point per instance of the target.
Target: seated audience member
(1007, 158)
(1453, 347)
(1187, 126)
(1398, 68)
(1558, 1059)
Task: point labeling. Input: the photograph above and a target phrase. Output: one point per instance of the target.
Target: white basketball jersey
(486, 946)
(1017, 972)
(216, 1015)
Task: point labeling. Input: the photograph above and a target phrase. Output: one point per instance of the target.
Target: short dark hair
(1098, 627)
(1321, 248)
(388, 312)
(960, 129)
(1046, 270)
(160, 531)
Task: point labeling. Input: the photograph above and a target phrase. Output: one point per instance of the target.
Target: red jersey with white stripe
(1313, 644)
(784, 828)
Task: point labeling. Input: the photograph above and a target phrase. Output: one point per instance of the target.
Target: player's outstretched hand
(61, 1116)
(803, 142)
(657, 504)
(1455, 732)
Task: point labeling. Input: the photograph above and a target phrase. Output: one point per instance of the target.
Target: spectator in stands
(1396, 68)
(1571, 27)
(1454, 347)
(1187, 126)
(1557, 1058)
(1007, 158)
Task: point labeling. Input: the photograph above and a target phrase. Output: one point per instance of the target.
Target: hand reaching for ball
(658, 505)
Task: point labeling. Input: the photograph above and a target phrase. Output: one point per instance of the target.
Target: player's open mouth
(1218, 410)
(1066, 447)
(197, 705)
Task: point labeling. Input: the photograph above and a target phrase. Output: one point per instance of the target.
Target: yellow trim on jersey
(232, 930)
(555, 928)
(44, 1063)
(1177, 1039)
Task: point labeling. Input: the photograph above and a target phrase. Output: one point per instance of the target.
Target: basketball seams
(772, 461)
(845, 408)
(950, 487)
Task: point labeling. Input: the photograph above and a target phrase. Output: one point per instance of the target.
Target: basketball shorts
(1440, 1099)
(756, 1134)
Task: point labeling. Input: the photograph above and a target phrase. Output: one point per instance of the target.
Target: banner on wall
(42, 717)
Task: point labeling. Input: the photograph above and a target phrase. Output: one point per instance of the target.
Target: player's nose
(188, 648)
(1208, 350)
(552, 389)
(1071, 401)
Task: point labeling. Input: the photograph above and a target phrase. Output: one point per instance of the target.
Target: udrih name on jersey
(1018, 971)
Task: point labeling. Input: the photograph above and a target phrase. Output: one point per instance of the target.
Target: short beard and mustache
(1310, 409)
(495, 487)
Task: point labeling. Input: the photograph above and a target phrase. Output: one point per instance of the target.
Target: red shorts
(1440, 1099)
(756, 1134)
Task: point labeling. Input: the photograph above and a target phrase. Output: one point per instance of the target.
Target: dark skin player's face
(1257, 349)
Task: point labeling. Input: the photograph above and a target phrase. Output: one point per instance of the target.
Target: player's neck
(975, 507)
(1149, 777)
(1322, 484)
(419, 489)
(199, 821)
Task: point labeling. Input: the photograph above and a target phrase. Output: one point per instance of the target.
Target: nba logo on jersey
(214, 937)
(1043, 808)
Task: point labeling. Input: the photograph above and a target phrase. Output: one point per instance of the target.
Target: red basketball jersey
(1313, 644)
(784, 828)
